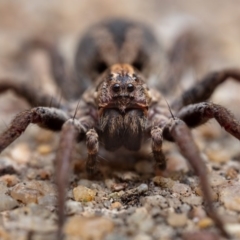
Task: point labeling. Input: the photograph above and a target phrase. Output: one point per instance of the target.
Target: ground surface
(132, 204)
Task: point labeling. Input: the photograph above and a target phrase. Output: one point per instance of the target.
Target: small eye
(130, 87)
(116, 87)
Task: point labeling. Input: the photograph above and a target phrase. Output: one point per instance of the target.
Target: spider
(118, 106)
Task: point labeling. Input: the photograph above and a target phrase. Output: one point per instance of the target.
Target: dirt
(133, 204)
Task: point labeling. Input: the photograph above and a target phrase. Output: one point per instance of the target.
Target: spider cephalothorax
(123, 99)
(118, 108)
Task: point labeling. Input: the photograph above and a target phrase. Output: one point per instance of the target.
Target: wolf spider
(119, 109)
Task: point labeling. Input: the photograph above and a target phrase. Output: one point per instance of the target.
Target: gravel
(139, 203)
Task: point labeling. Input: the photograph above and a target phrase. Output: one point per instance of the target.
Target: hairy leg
(71, 129)
(204, 89)
(183, 138)
(183, 54)
(157, 140)
(65, 80)
(197, 114)
(50, 118)
(33, 96)
(92, 147)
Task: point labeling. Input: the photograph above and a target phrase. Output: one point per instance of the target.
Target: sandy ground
(129, 204)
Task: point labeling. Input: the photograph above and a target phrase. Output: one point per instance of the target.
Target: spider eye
(116, 87)
(130, 87)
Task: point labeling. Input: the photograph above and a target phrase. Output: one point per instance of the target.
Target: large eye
(116, 87)
(130, 87)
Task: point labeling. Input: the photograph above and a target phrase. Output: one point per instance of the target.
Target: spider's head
(123, 99)
(122, 88)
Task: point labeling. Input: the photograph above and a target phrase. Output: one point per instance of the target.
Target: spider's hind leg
(203, 90)
(30, 93)
(63, 75)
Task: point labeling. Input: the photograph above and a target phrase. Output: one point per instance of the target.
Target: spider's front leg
(157, 140)
(196, 114)
(183, 137)
(92, 147)
(73, 131)
(49, 118)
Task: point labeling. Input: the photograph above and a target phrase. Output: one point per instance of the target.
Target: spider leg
(202, 90)
(32, 95)
(183, 137)
(65, 80)
(72, 132)
(197, 114)
(183, 54)
(157, 140)
(92, 147)
(50, 118)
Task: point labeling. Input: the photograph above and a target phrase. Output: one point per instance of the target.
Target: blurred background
(215, 23)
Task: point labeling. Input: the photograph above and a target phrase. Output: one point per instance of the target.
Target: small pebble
(83, 194)
(197, 212)
(116, 205)
(205, 223)
(32, 191)
(9, 180)
(215, 179)
(127, 176)
(113, 186)
(230, 196)
(234, 229)
(163, 182)
(181, 188)
(44, 149)
(34, 218)
(231, 173)
(163, 232)
(141, 220)
(3, 187)
(156, 200)
(174, 202)
(88, 228)
(177, 220)
(192, 200)
(48, 201)
(73, 207)
(7, 203)
(119, 187)
(44, 174)
(185, 208)
(142, 188)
